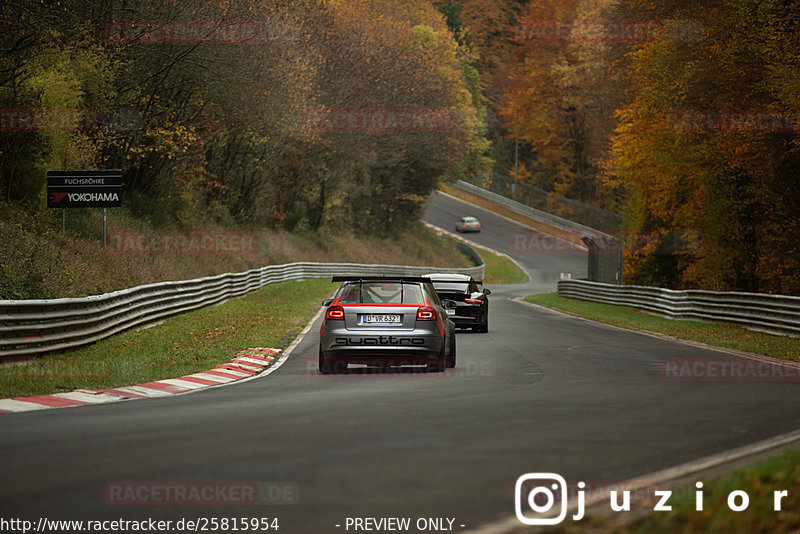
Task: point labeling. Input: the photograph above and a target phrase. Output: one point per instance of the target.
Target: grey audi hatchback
(386, 321)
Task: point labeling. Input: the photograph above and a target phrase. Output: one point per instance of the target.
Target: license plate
(374, 318)
(451, 312)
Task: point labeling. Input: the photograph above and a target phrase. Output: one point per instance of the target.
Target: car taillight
(426, 313)
(474, 301)
(335, 312)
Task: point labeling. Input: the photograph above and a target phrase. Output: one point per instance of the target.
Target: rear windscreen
(452, 287)
(381, 293)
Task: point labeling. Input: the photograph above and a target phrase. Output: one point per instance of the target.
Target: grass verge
(501, 270)
(719, 334)
(759, 482)
(39, 263)
(182, 345)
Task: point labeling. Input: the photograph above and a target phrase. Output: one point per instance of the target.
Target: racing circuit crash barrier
(605, 253)
(31, 327)
(774, 314)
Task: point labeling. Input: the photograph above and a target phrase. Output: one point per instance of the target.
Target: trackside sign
(84, 189)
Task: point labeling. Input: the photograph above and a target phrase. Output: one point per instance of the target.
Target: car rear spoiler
(479, 282)
(422, 279)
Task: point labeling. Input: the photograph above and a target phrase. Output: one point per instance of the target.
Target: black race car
(472, 303)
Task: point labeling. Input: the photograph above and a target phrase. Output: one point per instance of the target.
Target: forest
(304, 115)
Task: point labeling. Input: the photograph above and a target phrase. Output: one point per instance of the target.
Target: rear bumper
(382, 358)
(387, 347)
(468, 320)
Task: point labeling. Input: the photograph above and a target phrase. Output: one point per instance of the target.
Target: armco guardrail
(30, 327)
(553, 203)
(605, 253)
(533, 213)
(775, 314)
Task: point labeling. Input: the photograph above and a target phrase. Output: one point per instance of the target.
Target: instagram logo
(538, 491)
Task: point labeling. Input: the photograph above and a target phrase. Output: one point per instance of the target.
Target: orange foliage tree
(691, 168)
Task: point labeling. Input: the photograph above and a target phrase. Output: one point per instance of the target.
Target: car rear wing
(479, 282)
(420, 279)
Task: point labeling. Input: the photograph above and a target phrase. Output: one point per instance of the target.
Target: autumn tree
(692, 167)
(385, 57)
(216, 100)
(54, 80)
(485, 28)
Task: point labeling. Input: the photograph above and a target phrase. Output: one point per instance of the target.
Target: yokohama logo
(93, 197)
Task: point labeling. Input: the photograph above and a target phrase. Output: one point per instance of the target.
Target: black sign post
(84, 189)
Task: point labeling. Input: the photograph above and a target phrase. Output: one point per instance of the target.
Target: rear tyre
(439, 365)
(329, 366)
(451, 359)
(325, 364)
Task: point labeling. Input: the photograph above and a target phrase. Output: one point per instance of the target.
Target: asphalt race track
(540, 392)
